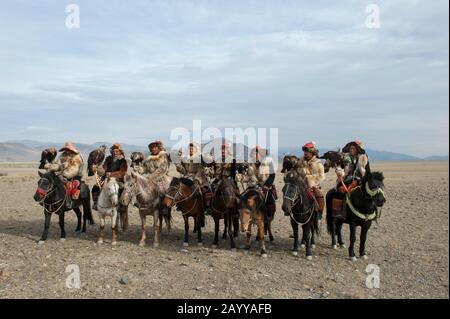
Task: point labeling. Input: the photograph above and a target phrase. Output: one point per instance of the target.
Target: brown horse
(225, 206)
(190, 203)
(252, 212)
(148, 196)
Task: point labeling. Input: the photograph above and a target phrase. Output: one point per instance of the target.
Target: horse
(148, 196)
(224, 206)
(301, 207)
(361, 206)
(289, 162)
(252, 212)
(107, 204)
(190, 203)
(51, 194)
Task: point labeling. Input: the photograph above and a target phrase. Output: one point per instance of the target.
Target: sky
(135, 70)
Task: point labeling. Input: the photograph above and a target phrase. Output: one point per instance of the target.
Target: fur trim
(363, 160)
(157, 157)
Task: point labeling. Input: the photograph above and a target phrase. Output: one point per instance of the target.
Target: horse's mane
(378, 176)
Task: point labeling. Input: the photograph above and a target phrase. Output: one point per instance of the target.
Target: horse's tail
(87, 209)
(330, 221)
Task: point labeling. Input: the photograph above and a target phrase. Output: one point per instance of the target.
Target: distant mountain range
(30, 151)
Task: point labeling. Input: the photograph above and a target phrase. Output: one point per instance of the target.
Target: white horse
(108, 202)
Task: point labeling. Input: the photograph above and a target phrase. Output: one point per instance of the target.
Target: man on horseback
(261, 175)
(314, 172)
(349, 177)
(69, 168)
(156, 167)
(192, 168)
(115, 166)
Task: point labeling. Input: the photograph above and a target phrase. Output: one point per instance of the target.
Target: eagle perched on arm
(96, 158)
(137, 158)
(48, 156)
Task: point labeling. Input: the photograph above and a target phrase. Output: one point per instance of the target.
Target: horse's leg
(339, 234)
(61, 225)
(124, 217)
(78, 213)
(261, 237)
(362, 245)
(249, 236)
(186, 231)
(225, 231)
(231, 230)
(334, 232)
(307, 234)
(102, 228)
(216, 232)
(114, 227)
(295, 231)
(236, 227)
(143, 228)
(199, 233)
(303, 243)
(351, 249)
(161, 219)
(48, 217)
(167, 219)
(155, 228)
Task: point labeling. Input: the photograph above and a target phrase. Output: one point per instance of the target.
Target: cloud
(312, 69)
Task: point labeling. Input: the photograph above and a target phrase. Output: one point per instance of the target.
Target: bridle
(178, 193)
(115, 191)
(296, 199)
(46, 194)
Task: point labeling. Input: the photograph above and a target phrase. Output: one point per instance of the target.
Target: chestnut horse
(252, 212)
(190, 202)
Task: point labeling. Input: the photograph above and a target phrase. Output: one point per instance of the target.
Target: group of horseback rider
(258, 172)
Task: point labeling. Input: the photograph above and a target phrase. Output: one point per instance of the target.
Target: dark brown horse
(225, 206)
(190, 202)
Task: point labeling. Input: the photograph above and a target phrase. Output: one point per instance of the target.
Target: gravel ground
(409, 245)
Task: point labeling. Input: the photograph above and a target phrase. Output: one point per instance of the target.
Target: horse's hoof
(233, 250)
(214, 246)
(295, 253)
(99, 242)
(353, 259)
(114, 243)
(200, 244)
(41, 242)
(313, 246)
(185, 244)
(155, 245)
(62, 240)
(142, 244)
(302, 246)
(365, 257)
(335, 247)
(343, 246)
(309, 258)
(264, 255)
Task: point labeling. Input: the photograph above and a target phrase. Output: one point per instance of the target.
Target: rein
(179, 192)
(372, 194)
(295, 203)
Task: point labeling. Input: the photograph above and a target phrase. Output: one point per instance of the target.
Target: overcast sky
(135, 70)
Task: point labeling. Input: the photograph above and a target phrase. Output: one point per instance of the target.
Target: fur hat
(311, 147)
(68, 146)
(159, 144)
(357, 144)
(117, 146)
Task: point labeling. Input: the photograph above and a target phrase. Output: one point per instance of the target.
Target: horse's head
(249, 205)
(46, 186)
(291, 191)
(129, 190)
(111, 187)
(227, 189)
(289, 161)
(373, 184)
(333, 159)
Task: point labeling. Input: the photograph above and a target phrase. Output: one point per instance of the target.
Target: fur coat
(313, 171)
(70, 164)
